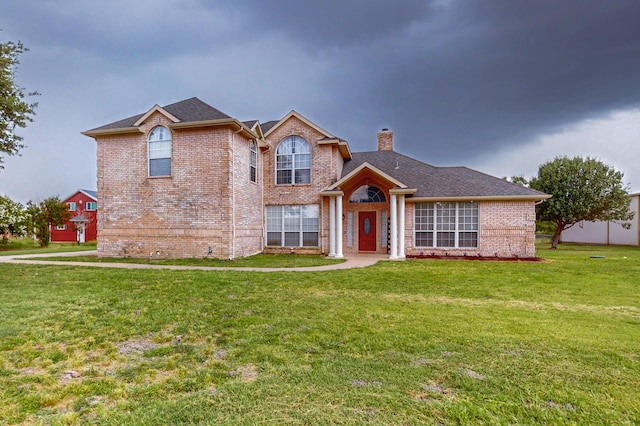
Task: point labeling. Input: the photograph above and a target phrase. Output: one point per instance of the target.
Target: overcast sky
(497, 85)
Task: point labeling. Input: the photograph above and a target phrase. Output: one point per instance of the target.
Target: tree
(13, 218)
(581, 189)
(41, 216)
(14, 110)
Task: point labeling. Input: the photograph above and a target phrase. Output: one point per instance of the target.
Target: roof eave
(482, 198)
(106, 132)
(233, 122)
(343, 146)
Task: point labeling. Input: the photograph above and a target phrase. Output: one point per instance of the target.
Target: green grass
(415, 342)
(256, 261)
(28, 246)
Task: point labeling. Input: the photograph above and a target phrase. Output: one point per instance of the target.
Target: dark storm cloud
(456, 80)
(329, 24)
(469, 76)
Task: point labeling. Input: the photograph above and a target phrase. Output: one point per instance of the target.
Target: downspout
(263, 230)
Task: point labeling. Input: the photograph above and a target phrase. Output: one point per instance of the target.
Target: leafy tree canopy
(13, 218)
(14, 110)
(581, 189)
(41, 215)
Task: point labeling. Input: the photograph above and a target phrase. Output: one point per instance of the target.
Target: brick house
(187, 180)
(82, 227)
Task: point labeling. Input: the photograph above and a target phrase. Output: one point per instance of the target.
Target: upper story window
(160, 152)
(72, 206)
(367, 194)
(91, 206)
(293, 161)
(253, 168)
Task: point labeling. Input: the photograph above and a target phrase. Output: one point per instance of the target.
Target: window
(367, 194)
(253, 168)
(292, 226)
(72, 206)
(61, 227)
(160, 152)
(293, 161)
(446, 225)
(91, 206)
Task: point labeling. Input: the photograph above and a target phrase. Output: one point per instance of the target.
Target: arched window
(253, 167)
(293, 161)
(368, 194)
(160, 152)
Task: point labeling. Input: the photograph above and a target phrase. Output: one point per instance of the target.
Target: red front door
(367, 231)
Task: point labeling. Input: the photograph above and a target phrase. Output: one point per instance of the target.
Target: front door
(81, 233)
(367, 231)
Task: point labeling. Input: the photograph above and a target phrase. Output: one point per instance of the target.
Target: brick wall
(506, 229)
(326, 164)
(189, 214)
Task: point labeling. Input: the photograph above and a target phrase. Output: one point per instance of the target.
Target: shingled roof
(189, 110)
(439, 182)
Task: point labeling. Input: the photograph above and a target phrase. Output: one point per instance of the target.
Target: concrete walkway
(352, 261)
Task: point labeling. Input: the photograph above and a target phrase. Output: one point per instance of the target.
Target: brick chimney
(385, 140)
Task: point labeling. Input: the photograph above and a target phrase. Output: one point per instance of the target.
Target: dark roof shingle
(186, 111)
(441, 182)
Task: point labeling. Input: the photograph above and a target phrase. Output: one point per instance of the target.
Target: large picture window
(293, 225)
(160, 152)
(446, 225)
(293, 161)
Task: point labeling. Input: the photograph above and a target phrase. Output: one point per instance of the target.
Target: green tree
(43, 215)
(14, 110)
(581, 189)
(13, 218)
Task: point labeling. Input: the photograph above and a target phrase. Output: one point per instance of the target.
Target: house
(607, 232)
(187, 180)
(82, 227)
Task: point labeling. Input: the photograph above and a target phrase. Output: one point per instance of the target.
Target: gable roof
(191, 112)
(302, 118)
(88, 192)
(440, 183)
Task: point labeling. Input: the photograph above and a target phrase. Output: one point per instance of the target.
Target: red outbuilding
(83, 225)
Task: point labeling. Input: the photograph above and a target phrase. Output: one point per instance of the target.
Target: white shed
(609, 232)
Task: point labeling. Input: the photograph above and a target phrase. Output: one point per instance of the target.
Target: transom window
(367, 194)
(446, 225)
(253, 168)
(293, 225)
(160, 152)
(293, 161)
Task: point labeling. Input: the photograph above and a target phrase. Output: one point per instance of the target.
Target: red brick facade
(210, 207)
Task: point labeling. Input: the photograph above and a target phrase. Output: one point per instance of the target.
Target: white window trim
(293, 163)
(300, 230)
(456, 229)
(170, 157)
(253, 162)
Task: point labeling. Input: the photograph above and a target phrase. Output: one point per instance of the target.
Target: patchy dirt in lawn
(136, 346)
(246, 373)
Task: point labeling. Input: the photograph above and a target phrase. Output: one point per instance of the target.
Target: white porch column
(394, 227)
(401, 254)
(338, 235)
(332, 226)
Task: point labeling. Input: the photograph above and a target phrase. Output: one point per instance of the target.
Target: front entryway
(367, 231)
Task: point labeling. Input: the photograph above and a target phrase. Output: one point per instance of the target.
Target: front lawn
(414, 342)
